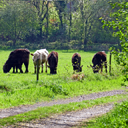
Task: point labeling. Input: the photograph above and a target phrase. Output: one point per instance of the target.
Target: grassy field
(20, 89)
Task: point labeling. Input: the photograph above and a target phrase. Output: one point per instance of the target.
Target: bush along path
(64, 120)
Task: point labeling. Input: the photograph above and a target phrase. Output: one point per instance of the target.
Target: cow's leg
(55, 70)
(51, 71)
(101, 67)
(20, 67)
(35, 68)
(26, 66)
(13, 69)
(46, 66)
(16, 69)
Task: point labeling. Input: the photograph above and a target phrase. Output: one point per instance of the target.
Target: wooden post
(110, 62)
(37, 72)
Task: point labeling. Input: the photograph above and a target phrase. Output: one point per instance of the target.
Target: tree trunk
(70, 22)
(15, 34)
(61, 21)
(40, 29)
(14, 42)
(47, 22)
(85, 43)
(85, 34)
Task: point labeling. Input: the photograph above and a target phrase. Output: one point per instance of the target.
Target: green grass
(58, 109)
(21, 89)
(117, 118)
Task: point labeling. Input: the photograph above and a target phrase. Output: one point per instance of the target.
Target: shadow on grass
(4, 88)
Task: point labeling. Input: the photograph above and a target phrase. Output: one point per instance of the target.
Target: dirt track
(65, 120)
(17, 110)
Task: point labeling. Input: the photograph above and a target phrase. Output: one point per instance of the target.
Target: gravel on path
(21, 109)
(66, 120)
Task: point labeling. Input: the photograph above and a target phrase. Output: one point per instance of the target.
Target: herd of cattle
(20, 56)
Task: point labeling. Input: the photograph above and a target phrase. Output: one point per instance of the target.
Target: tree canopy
(17, 20)
(68, 23)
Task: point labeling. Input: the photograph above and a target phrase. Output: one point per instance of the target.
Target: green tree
(60, 7)
(17, 19)
(119, 22)
(41, 7)
(90, 11)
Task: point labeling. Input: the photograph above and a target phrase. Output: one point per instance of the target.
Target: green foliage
(35, 24)
(58, 89)
(119, 23)
(17, 20)
(117, 118)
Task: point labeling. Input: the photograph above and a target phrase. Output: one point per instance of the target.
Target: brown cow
(76, 62)
(98, 60)
(53, 61)
(16, 59)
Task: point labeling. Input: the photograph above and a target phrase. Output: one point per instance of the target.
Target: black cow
(76, 62)
(98, 60)
(53, 61)
(16, 59)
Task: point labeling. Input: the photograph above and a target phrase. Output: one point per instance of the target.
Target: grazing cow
(42, 55)
(76, 62)
(53, 61)
(98, 60)
(16, 59)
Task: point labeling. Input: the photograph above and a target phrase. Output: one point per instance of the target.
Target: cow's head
(36, 56)
(95, 68)
(81, 68)
(77, 68)
(52, 70)
(6, 68)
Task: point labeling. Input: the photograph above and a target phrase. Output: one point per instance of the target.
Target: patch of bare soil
(17, 110)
